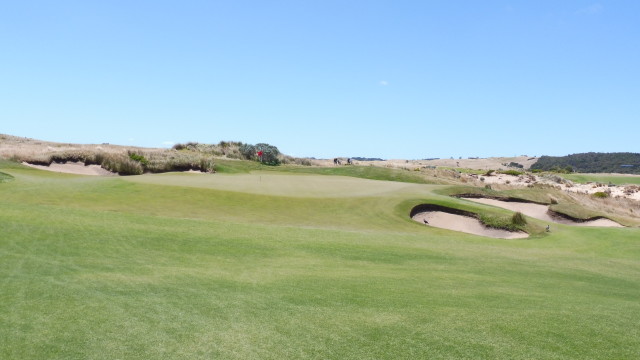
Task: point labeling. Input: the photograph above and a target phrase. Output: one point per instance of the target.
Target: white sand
(533, 210)
(464, 224)
(74, 168)
(540, 212)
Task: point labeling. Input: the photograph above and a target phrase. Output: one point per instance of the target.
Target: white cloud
(591, 9)
(384, 82)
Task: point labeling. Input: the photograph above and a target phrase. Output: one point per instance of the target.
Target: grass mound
(4, 177)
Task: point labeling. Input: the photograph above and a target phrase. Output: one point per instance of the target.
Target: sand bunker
(541, 212)
(74, 168)
(459, 220)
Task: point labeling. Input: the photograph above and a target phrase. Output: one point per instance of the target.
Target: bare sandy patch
(598, 222)
(493, 163)
(541, 212)
(464, 224)
(77, 168)
(537, 211)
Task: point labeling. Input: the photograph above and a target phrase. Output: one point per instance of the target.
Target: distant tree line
(592, 162)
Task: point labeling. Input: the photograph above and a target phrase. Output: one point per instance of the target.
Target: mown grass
(363, 172)
(104, 268)
(605, 179)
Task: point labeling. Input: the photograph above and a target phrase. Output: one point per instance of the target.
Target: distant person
(349, 161)
(548, 228)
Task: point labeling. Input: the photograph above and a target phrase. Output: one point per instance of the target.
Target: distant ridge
(592, 162)
(359, 158)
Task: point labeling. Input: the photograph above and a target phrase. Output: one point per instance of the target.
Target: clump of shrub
(518, 219)
(600, 195)
(511, 172)
(139, 158)
(295, 160)
(562, 170)
(499, 222)
(269, 153)
(121, 164)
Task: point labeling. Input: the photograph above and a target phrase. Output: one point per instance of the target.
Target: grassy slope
(364, 172)
(109, 268)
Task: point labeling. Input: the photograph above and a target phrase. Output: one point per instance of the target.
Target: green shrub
(512, 172)
(499, 222)
(518, 219)
(270, 154)
(122, 164)
(600, 195)
(139, 158)
(248, 151)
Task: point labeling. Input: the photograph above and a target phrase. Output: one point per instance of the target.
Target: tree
(248, 151)
(269, 154)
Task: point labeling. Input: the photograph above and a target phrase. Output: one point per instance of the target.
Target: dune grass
(104, 268)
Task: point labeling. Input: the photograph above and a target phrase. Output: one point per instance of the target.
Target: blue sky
(390, 79)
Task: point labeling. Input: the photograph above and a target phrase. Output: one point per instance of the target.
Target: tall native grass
(131, 162)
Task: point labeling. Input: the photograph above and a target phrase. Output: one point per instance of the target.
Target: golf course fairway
(282, 265)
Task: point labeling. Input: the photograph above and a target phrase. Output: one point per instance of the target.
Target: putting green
(292, 185)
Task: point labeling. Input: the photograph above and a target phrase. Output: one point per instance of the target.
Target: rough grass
(98, 268)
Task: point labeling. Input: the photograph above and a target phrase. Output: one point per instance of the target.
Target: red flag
(260, 153)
